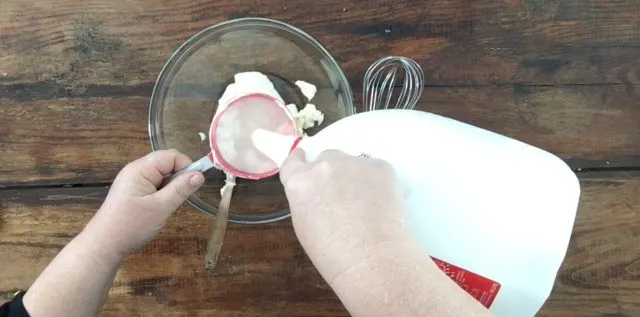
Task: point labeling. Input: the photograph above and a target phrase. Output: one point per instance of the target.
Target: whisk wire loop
(379, 85)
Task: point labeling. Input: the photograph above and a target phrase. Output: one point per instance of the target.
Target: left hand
(134, 211)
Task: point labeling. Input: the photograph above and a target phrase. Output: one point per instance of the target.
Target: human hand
(134, 211)
(342, 206)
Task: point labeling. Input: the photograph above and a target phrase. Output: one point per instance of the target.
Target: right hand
(343, 208)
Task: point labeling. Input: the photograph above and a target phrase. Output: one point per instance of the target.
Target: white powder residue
(255, 82)
(230, 93)
(247, 83)
(312, 115)
(293, 109)
(308, 90)
(307, 118)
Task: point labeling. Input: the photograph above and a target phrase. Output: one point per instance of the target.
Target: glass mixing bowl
(185, 97)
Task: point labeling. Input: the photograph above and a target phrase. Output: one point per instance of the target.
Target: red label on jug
(481, 288)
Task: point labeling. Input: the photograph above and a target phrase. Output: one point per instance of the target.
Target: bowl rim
(157, 92)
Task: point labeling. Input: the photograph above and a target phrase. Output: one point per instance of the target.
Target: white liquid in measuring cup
(236, 124)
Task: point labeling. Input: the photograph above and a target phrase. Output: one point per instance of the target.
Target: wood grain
(63, 45)
(601, 272)
(263, 271)
(75, 78)
(87, 140)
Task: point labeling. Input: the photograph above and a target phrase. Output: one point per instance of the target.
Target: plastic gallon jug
(494, 213)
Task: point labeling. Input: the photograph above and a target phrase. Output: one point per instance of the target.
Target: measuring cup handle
(202, 165)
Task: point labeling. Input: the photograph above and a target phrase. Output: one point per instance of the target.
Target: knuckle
(129, 169)
(324, 167)
(330, 155)
(387, 169)
(180, 191)
(161, 154)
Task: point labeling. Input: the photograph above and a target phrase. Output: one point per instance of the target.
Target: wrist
(96, 248)
(350, 248)
(391, 274)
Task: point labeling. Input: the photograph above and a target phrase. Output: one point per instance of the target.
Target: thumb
(178, 190)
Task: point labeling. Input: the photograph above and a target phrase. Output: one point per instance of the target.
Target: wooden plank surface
(264, 271)
(88, 139)
(459, 42)
(601, 272)
(75, 78)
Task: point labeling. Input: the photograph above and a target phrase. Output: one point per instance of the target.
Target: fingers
(156, 165)
(167, 161)
(330, 154)
(296, 163)
(178, 190)
(293, 163)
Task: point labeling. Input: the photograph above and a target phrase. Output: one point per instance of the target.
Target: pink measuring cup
(232, 149)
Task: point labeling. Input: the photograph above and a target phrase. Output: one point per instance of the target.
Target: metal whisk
(379, 90)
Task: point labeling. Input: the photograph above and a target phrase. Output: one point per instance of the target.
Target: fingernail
(196, 180)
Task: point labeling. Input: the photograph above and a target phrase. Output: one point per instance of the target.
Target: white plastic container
(496, 214)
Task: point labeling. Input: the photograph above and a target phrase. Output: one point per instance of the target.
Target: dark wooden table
(76, 76)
